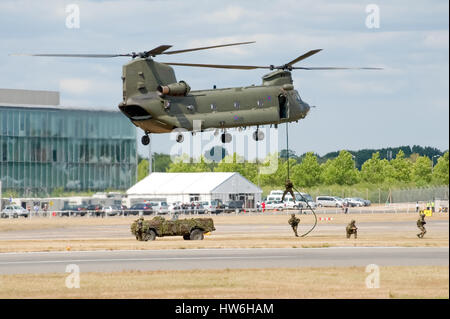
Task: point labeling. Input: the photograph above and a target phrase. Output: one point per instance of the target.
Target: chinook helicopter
(155, 102)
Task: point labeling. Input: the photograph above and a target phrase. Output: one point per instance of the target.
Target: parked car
(365, 201)
(353, 202)
(160, 208)
(95, 210)
(71, 210)
(112, 210)
(145, 208)
(274, 204)
(234, 206)
(175, 208)
(14, 211)
(214, 206)
(290, 204)
(329, 201)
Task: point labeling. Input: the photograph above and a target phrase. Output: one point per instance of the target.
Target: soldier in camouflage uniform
(294, 221)
(352, 229)
(289, 186)
(420, 222)
(140, 225)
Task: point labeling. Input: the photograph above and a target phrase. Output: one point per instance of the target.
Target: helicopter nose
(305, 108)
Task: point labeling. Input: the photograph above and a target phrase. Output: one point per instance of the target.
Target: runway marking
(217, 249)
(135, 259)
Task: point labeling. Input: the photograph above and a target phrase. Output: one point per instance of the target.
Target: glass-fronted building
(48, 147)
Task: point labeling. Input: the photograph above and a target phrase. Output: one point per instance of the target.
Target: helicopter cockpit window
(213, 107)
(237, 105)
(297, 97)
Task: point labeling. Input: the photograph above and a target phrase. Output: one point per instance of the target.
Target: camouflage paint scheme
(156, 112)
(180, 227)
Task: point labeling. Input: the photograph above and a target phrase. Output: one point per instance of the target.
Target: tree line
(310, 170)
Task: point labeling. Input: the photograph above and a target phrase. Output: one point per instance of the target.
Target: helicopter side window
(213, 107)
(260, 103)
(237, 105)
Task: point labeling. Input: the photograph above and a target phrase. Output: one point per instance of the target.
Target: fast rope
(288, 177)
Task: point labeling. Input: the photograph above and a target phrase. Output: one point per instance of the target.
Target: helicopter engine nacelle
(174, 89)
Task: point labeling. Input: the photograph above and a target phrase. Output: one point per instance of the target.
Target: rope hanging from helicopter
(288, 177)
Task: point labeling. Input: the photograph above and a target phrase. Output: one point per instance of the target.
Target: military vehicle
(154, 101)
(190, 229)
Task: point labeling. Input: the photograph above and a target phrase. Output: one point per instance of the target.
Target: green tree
(440, 172)
(401, 168)
(201, 165)
(182, 164)
(421, 171)
(308, 172)
(374, 170)
(236, 163)
(340, 170)
(142, 169)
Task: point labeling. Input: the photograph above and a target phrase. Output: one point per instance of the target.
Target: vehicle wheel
(196, 234)
(3, 215)
(186, 237)
(180, 138)
(226, 138)
(15, 215)
(145, 140)
(151, 235)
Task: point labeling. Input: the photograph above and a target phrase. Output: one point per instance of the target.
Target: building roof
(34, 99)
(193, 183)
(62, 108)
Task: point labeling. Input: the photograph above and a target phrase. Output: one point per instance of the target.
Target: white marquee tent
(187, 187)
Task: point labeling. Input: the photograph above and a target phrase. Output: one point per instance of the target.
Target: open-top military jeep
(190, 229)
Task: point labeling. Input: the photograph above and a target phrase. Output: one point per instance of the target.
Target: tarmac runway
(186, 259)
(123, 231)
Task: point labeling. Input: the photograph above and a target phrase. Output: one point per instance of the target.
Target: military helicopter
(154, 101)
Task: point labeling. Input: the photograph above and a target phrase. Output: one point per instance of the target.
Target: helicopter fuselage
(155, 110)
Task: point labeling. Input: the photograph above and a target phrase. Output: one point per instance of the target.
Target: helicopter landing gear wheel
(226, 138)
(145, 140)
(258, 135)
(180, 138)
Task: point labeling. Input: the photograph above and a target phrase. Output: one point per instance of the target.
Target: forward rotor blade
(158, 50)
(75, 55)
(304, 56)
(205, 48)
(219, 66)
(333, 68)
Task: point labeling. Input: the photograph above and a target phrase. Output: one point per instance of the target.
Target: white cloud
(75, 86)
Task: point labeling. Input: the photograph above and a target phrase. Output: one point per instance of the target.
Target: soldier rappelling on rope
(289, 189)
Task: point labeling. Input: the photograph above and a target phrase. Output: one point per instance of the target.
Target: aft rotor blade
(76, 55)
(205, 48)
(304, 56)
(333, 68)
(219, 66)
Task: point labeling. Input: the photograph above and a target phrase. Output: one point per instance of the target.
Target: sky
(407, 103)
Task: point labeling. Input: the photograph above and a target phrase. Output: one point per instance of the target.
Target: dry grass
(281, 283)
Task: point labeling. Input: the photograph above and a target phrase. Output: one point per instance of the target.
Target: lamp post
(354, 160)
(432, 162)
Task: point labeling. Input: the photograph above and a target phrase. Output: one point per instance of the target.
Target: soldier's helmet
(353, 221)
(141, 218)
(293, 215)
